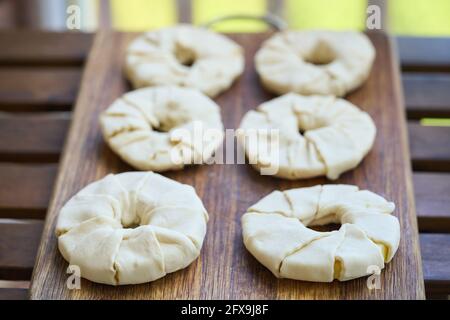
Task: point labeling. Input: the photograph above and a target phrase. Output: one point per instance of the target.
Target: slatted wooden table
(39, 80)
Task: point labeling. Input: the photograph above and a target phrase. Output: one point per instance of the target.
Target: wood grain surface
(19, 240)
(13, 294)
(225, 269)
(38, 89)
(32, 137)
(424, 53)
(432, 201)
(435, 266)
(40, 48)
(25, 189)
(430, 147)
(427, 94)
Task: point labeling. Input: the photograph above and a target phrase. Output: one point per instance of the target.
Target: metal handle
(272, 20)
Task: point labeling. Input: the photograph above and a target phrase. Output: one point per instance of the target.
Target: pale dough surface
(315, 62)
(336, 135)
(163, 128)
(185, 56)
(131, 228)
(275, 231)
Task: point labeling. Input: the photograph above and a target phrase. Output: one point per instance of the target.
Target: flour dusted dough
(315, 62)
(184, 56)
(131, 228)
(163, 128)
(336, 136)
(275, 231)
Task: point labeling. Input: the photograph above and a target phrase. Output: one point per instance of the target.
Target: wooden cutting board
(225, 270)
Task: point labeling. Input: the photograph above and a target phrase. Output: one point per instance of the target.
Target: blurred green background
(403, 17)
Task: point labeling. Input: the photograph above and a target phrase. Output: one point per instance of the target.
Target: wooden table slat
(19, 241)
(13, 294)
(424, 53)
(43, 48)
(32, 137)
(38, 89)
(430, 147)
(432, 191)
(436, 261)
(426, 94)
(25, 189)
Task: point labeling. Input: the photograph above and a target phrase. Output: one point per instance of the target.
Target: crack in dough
(97, 236)
(275, 231)
(337, 136)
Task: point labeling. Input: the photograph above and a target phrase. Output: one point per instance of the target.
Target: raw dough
(131, 228)
(315, 62)
(275, 232)
(184, 56)
(163, 128)
(336, 136)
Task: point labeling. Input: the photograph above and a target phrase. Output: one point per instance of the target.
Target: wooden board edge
(34, 291)
(409, 188)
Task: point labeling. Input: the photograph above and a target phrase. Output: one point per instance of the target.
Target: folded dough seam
(291, 114)
(118, 217)
(330, 216)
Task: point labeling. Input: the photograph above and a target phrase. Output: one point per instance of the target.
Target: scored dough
(275, 232)
(131, 228)
(315, 62)
(336, 136)
(185, 56)
(163, 128)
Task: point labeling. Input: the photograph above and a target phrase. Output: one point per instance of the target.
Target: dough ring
(314, 136)
(131, 228)
(184, 56)
(315, 62)
(275, 232)
(163, 128)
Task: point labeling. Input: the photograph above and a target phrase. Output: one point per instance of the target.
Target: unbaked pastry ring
(315, 62)
(306, 136)
(184, 56)
(131, 228)
(163, 128)
(275, 231)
